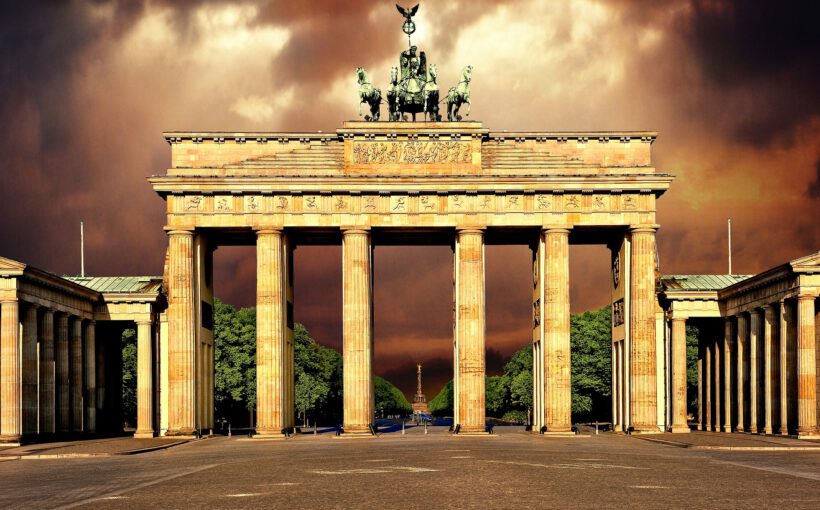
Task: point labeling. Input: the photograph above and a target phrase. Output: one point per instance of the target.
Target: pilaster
(768, 366)
(742, 342)
(47, 395)
(728, 344)
(30, 397)
(63, 388)
(679, 422)
(76, 374)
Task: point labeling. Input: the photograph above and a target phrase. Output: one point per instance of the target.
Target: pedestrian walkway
(722, 441)
(89, 448)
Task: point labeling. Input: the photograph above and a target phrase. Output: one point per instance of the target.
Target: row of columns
(761, 376)
(48, 372)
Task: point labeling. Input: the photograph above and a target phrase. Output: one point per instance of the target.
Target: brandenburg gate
(450, 183)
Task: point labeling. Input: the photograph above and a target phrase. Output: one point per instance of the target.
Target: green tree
(496, 392)
(128, 340)
(389, 399)
(234, 358)
(442, 404)
(591, 364)
(310, 391)
(318, 373)
(692, 365)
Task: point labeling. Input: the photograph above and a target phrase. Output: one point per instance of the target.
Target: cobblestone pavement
(511, 469)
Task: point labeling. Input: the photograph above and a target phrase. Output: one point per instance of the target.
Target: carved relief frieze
(413, 152)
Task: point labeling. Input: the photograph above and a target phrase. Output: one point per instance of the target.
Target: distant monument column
(419, 399)
(181, 334)
(470, 330)
(357, 301)
(642, 359)
(556, 345)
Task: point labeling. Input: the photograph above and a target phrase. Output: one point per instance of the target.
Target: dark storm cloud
(765, 50)
(814, 186)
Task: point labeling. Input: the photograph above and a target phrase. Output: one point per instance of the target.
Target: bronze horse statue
(368, 94)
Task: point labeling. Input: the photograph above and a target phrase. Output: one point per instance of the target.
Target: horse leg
(469, 106)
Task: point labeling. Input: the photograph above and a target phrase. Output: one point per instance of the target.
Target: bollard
(314, 428)
(402, 427)
(425, 426)
(229, 430)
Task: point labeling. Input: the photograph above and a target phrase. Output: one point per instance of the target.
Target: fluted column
(642, 358)
(30, 397)
(76, 374)
(718, 386)
(103, 420)
(10, 371)
(728, 347)
(679, 423)
(783, 316)
(707, 378)
(768, 367)
(755, 337)
(742, 341)
(145, 391)
(47, 373)
(471, 330)
(90, 372)
(701, 386)
(181, 334)
(806, 367)
(557, 385)
(63, 388)
(271, 358)
(357, 301)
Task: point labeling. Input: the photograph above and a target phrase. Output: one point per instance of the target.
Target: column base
(679, 429)
(357, 431)
(144, 434)
(560, 433)
(9, 441)
(726, 429)
(767, 431)
(645, 430)
(808, 433)
(180, 432)
(269, 436)
(753, 429)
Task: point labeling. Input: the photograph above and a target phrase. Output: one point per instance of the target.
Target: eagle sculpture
(407, 13)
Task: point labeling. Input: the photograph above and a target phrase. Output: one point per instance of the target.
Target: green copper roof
(119, 284)
(701, 281)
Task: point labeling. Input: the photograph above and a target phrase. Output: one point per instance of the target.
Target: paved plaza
(511, 469)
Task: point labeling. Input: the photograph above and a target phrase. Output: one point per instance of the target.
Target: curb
(47, 456)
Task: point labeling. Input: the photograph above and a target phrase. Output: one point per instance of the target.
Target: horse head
(467, 74)
(394, 76)
(432, 73)
(361, 75)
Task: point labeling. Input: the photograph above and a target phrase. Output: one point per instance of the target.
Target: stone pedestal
(357, 300)
(679, 421)
(642, 359)
(181, 334)
(145, 414)
(470, 331)
(10, 371)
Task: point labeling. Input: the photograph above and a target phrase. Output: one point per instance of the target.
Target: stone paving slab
(90, 448)
(725, 441)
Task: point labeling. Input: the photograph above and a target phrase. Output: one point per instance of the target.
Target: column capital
(179, 231)
(649, 228)
(470, 230)
(556, 229)
(14, 300)
(90, 322)
(144, 322)
(271, 231)
(362, 230)
(678, 317)
(805, 296)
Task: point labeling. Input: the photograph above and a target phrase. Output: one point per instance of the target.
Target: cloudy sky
(87, 87)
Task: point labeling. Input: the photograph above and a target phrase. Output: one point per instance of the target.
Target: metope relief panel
(429, 204)
(419, 152)
(223, 204)
(254, 204)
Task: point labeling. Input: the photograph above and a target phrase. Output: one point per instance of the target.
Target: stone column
(181, 334)
(271, 358)
(357, 301)
(145, 391)
(76, 374)
(728, 341)
(707, 359)
(90, 371)
(768, 370)
(47, 374)
(742, 336)
(679, 423)
(555, 282)
(784, 368)
(30, 397)
(718, 386)
(471, 330)
(99, 364)
(701, 387)
(806, 367)
(642, 358)
(756, 333)
(10, 371)
(62, 362)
